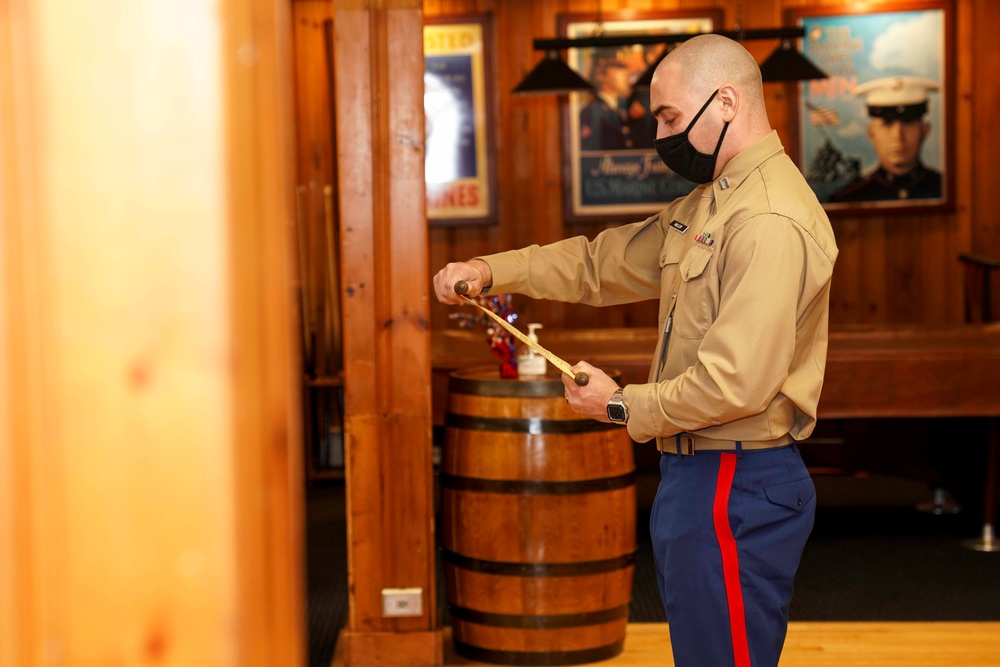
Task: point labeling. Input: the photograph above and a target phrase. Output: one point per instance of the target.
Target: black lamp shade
(552, 76)
(787, 64)
(646, 80)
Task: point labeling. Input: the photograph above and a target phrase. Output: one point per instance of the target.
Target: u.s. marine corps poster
(459, 178)
(874, 134)
(611, 169)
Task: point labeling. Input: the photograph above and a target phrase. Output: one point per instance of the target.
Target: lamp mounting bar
(628, 40)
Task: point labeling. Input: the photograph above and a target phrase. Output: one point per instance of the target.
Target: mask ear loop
(721, 137)
(700, 112)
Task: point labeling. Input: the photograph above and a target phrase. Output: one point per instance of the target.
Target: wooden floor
(827, 645)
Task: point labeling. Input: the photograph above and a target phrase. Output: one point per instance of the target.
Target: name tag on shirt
(679, 226)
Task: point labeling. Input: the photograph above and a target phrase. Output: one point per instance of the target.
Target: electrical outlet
(402, 602)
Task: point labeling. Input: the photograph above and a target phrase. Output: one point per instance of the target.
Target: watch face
(616, 413)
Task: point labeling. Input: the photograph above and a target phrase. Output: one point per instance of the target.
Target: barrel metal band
(537, 487)
(533, 426)
(538, 622)
(538, 569)
(541, 657)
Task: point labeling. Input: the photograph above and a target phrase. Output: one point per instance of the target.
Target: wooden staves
(538, 507)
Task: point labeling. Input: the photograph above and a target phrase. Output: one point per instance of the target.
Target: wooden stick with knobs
(581, 378)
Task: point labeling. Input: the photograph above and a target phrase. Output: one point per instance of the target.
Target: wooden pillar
(378, 58)
(150, 463)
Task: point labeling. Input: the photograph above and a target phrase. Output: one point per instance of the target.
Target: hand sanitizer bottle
(531, 363)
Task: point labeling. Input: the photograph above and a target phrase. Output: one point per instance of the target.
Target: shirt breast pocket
(697, 302)
(670, 256)
(672, 250)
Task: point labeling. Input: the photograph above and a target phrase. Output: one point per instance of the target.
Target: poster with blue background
(888, 77)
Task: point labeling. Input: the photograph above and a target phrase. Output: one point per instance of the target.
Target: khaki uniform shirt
(743, 335)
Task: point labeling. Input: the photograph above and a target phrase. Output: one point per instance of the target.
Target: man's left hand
(591, 400)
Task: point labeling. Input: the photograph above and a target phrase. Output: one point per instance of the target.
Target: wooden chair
(978, 279)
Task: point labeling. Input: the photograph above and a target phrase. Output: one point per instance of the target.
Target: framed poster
(611, 172)
(876, 136)
(459, 169)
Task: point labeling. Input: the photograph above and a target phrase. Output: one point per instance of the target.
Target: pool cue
(581, 378)
(302, 239)
(332, 286)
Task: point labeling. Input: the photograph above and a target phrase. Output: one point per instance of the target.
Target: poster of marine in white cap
(874, 135)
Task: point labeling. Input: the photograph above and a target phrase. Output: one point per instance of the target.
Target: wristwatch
(617, 410)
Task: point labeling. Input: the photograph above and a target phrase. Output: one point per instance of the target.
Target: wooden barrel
(538, 524)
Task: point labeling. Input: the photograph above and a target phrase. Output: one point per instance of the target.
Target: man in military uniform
(615, 119)
(741, 267)
(897, 106)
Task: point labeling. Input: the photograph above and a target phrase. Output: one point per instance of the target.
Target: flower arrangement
(502, 342)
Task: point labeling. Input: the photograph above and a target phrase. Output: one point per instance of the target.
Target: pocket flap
(795, 495)
(695, 262)
(672, 249)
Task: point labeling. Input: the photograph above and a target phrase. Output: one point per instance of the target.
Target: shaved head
(708, 62)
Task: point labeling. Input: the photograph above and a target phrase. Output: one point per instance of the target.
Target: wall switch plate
(402, 602)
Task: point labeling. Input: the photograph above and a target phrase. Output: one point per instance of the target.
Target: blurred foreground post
(150, 463)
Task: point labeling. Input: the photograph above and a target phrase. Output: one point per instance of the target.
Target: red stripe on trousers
(730, 560)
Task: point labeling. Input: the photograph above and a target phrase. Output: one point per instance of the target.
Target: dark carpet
(872, 557)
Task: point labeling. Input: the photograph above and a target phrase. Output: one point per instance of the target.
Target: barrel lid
(486, 381)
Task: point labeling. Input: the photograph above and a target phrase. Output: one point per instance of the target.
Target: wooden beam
(378, 58)
(150, 465)
(266, 422)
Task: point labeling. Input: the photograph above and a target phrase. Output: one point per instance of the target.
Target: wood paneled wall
(892, 269)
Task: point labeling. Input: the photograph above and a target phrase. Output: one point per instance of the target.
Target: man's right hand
(476, 273)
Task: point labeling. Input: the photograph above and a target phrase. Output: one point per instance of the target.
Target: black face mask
(683, 158)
